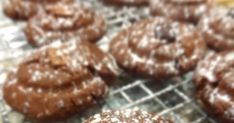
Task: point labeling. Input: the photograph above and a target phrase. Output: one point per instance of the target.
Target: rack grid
(173, 98)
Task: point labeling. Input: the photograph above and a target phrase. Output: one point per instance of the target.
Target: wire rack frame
(168, 98)
(172, 98)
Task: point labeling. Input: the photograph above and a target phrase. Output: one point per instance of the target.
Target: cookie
(25, 9)
(127, 2)
(60, 80)
(218, 29)
(213, 79)
(181, 10)
(126, 116)
(62, 22)
(158, 48)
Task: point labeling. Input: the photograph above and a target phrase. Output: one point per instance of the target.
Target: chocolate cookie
(62, 22)
(218, 29)
(182, 10)
(127, 2)
(24, 9)
(126, 116)
(158, 48)
(55, 82)
(214, 81)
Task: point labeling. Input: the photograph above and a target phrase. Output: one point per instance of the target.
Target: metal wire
(169, 98)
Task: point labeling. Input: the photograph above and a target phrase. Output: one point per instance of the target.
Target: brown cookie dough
(57, 81)
(127, 2)
(126, 116)
(214, 79)
(158, 48)
(24, 9)
(218, 29)
(62, 22)
(181, 10)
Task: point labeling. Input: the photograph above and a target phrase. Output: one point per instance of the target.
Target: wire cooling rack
(174, 98)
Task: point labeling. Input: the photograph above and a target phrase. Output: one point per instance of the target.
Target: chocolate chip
(165, 31)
